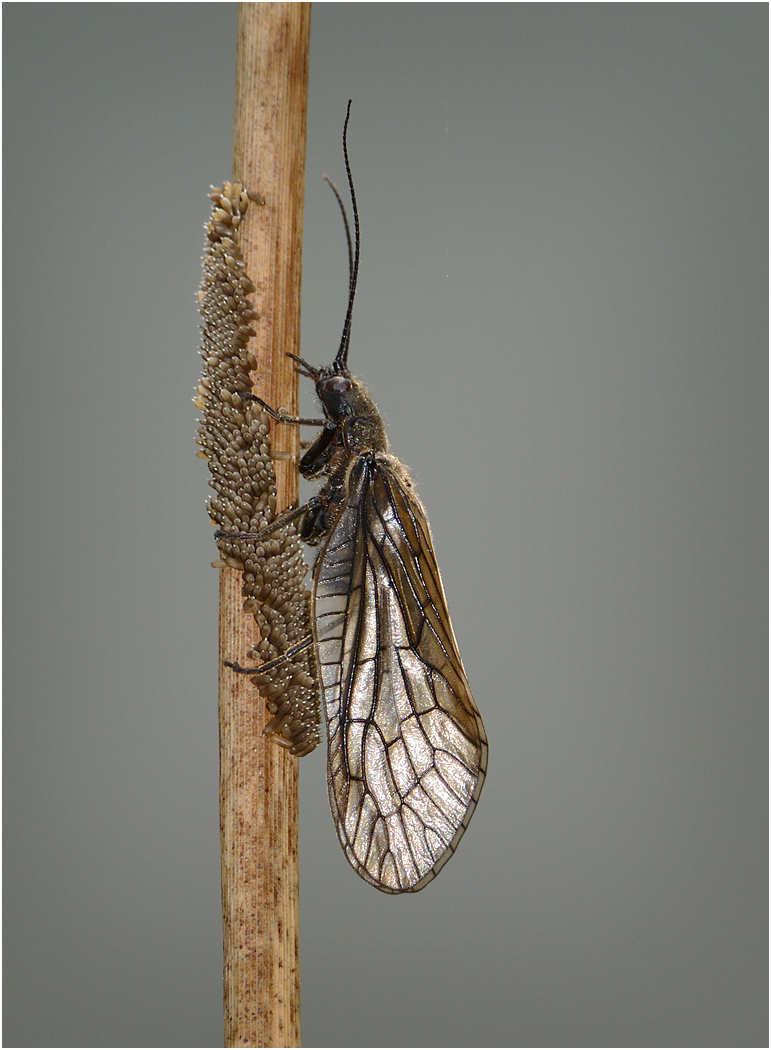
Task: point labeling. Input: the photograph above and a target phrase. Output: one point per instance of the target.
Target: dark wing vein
(407, 748)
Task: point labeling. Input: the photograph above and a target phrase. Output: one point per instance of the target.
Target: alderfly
(407, 751)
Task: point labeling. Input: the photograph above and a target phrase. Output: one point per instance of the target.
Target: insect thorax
(364, 429)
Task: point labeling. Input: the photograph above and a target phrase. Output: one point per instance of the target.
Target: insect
(407, 751)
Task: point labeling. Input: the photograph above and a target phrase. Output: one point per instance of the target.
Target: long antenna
(344, 213)
(341, 361)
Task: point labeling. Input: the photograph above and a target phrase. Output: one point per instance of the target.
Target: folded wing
(407, 748)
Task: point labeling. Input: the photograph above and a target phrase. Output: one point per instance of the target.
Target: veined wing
(407, 748)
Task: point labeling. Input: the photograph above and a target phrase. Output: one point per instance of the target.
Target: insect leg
(319, 453)
(291, 651)
(283, 519)
(282, 417)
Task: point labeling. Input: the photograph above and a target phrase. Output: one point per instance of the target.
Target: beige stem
(258, 779)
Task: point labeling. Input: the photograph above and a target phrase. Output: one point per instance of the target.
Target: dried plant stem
(258, 779)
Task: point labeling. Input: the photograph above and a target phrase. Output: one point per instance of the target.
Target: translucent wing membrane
(407, 748)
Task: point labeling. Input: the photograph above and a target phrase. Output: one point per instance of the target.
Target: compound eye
(337, 385)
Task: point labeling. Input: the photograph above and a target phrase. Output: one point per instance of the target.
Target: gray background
(562, 313)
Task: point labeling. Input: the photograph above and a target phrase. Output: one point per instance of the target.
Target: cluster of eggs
(234, 436)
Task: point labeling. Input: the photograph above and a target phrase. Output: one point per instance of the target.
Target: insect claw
(239, 669)
(305, 369)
